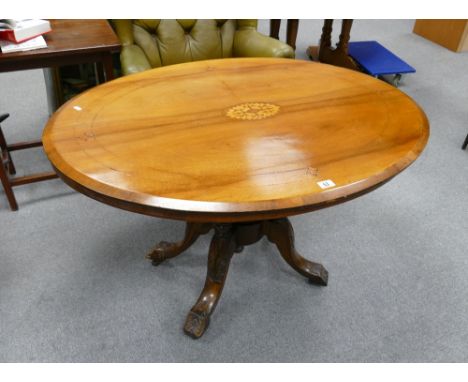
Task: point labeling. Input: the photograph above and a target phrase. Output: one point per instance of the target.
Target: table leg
(99, 73)
(108, 67)
(281, 233)
(227, 240)
(222, 248)
(165, 250)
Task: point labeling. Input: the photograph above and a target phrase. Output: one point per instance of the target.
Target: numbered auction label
(326, 184)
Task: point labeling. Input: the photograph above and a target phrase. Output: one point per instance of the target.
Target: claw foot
(161, 252)
(319, 275)
(196, 324)
(155, 263)
(239, 249)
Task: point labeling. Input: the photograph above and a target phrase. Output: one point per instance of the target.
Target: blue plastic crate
(377, 60)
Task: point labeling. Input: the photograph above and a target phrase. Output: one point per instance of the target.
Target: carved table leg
(280, 232)
(228, 239)
(222, 248)
(165, 250)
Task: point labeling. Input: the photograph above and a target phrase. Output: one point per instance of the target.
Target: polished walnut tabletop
(235, 145)
(226, 140)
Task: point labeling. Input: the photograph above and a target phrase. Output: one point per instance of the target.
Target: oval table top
(235, 139)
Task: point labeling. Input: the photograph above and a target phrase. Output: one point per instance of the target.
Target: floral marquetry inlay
(252, 110)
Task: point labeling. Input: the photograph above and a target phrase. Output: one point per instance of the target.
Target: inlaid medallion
(253, 110)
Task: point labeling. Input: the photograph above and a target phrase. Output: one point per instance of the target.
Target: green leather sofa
(149, 44)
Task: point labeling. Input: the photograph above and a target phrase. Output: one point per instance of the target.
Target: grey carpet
(75, 287)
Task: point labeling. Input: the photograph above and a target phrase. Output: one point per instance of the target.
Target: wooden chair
(7, 167)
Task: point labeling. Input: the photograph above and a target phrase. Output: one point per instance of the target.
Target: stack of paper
(21, 35)
(34, 43)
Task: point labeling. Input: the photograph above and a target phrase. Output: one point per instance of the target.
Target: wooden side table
(69, 42)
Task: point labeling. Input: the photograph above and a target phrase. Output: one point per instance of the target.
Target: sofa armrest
(250, 43)
(124, 30)
(133, 60)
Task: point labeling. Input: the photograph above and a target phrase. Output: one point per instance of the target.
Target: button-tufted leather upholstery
(152, 43)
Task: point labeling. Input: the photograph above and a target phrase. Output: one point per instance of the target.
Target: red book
(21, 30)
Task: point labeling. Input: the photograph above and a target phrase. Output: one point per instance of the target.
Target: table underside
(230, 238)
